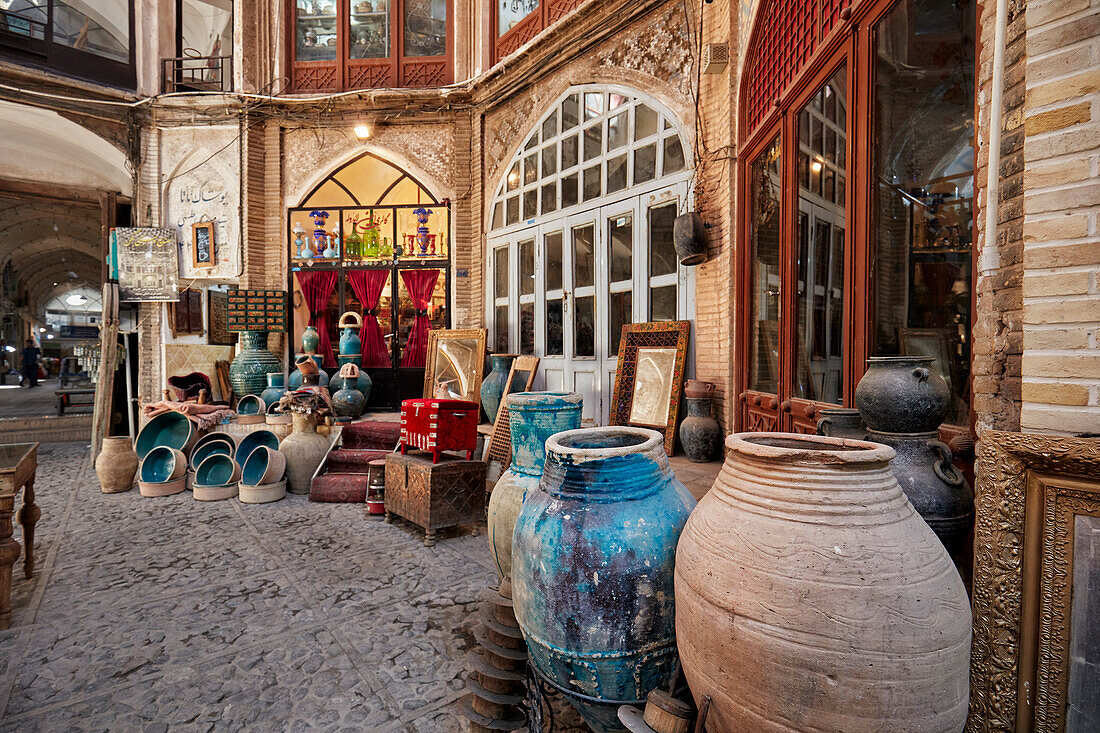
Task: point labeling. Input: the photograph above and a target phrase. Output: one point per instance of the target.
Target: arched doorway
(581, 237)
(372, 239)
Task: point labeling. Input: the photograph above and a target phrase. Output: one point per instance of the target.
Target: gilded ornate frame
(434, 337)
(1028, 489)
(660, 334)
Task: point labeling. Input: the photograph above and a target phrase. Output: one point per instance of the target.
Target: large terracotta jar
(810, 596)
(116, 465)
(304, 449)
(534, 417)
(592, 568)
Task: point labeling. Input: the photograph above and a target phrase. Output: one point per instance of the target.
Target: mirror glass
(455, 366)
(653, 386)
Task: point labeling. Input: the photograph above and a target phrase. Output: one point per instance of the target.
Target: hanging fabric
(420, 284)
(368, 285)
(317, 289)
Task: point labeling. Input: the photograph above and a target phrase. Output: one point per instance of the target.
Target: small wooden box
(434, 495)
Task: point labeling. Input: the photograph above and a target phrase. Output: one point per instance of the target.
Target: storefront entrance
(599, 182)
(372, 240)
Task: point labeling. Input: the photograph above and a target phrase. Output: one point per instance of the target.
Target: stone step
(344, 460)
(339, 488)
(44, 429)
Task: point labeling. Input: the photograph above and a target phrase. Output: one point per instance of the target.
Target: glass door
(583, 365)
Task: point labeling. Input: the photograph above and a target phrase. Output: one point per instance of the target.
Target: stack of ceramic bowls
(253, 440)
(216, 478)
(163, 472)
(207, 446)
(263, 476)
(169, 429)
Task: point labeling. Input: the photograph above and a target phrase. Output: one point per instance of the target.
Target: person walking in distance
(30, 364)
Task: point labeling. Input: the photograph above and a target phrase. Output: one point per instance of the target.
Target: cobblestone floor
(170, 614)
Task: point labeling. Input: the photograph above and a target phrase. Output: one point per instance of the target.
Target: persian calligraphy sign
(147, 265)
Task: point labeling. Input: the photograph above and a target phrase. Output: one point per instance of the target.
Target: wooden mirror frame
(462, 334)
(658, 335)
(208, 227)
(1019, 657)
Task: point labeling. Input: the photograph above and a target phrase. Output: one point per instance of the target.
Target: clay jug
(700, 433)
(350, 345)
(810, 596)
(116, 465)
(902, 394)
(534, 417)
(304, 450)
(592, 568)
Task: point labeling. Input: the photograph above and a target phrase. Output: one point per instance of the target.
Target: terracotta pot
(304, 450)
(696, 389)
(116, 465)
(811, 596)
(592, 558)
(261, 494)
(534, 417)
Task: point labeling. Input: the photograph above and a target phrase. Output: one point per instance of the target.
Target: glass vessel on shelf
(369, 30)
(316, 30)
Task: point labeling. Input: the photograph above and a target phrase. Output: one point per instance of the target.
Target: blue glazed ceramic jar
(276, 388)
(533, 417)
(592, 568)
(492, 387)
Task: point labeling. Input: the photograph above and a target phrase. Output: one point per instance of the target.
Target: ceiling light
(362, 130)
(815, 166)
(76, 299)
(49, 336)
(41, 330)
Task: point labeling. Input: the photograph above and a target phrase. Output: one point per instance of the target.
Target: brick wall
(998, 332)
(1061, 218)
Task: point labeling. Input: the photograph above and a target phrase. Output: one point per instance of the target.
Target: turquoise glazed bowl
(264, 466)
(204, 451)
(170, 429)
(226, 438)
(253, 440)
(162, 464)
(250, 404)
(217, 470)
(593, 552)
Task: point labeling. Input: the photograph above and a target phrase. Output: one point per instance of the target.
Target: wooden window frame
(347, 74)
(548, 13)
(849, 40)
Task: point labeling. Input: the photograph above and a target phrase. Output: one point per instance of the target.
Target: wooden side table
(434, 495)
(18, 465)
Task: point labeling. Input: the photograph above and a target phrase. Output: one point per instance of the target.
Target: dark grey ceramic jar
(902, 394)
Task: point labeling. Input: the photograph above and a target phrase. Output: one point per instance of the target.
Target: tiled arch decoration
(784, 37)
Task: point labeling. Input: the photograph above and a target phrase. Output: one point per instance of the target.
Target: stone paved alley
(154, 614)
(170, 614)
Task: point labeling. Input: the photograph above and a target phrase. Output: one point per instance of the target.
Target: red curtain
(420, 284)
(317, 288)
(368, 285)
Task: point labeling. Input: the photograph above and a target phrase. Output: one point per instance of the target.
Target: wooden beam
(108, 358)
(68, 195)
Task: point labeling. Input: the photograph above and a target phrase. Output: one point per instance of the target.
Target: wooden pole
(108, 357)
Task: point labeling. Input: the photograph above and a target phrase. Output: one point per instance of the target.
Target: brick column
(1061, 229)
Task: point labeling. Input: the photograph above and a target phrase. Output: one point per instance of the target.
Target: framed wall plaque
(650, 376)
(148, 268)
(202, 245)
(256, 310)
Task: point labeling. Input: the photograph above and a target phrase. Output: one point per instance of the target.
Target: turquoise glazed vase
(492, 387)
(276, 388)
(248, 372)
(310, 339)
(592, 569)
(533, 417)
(363, 383)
